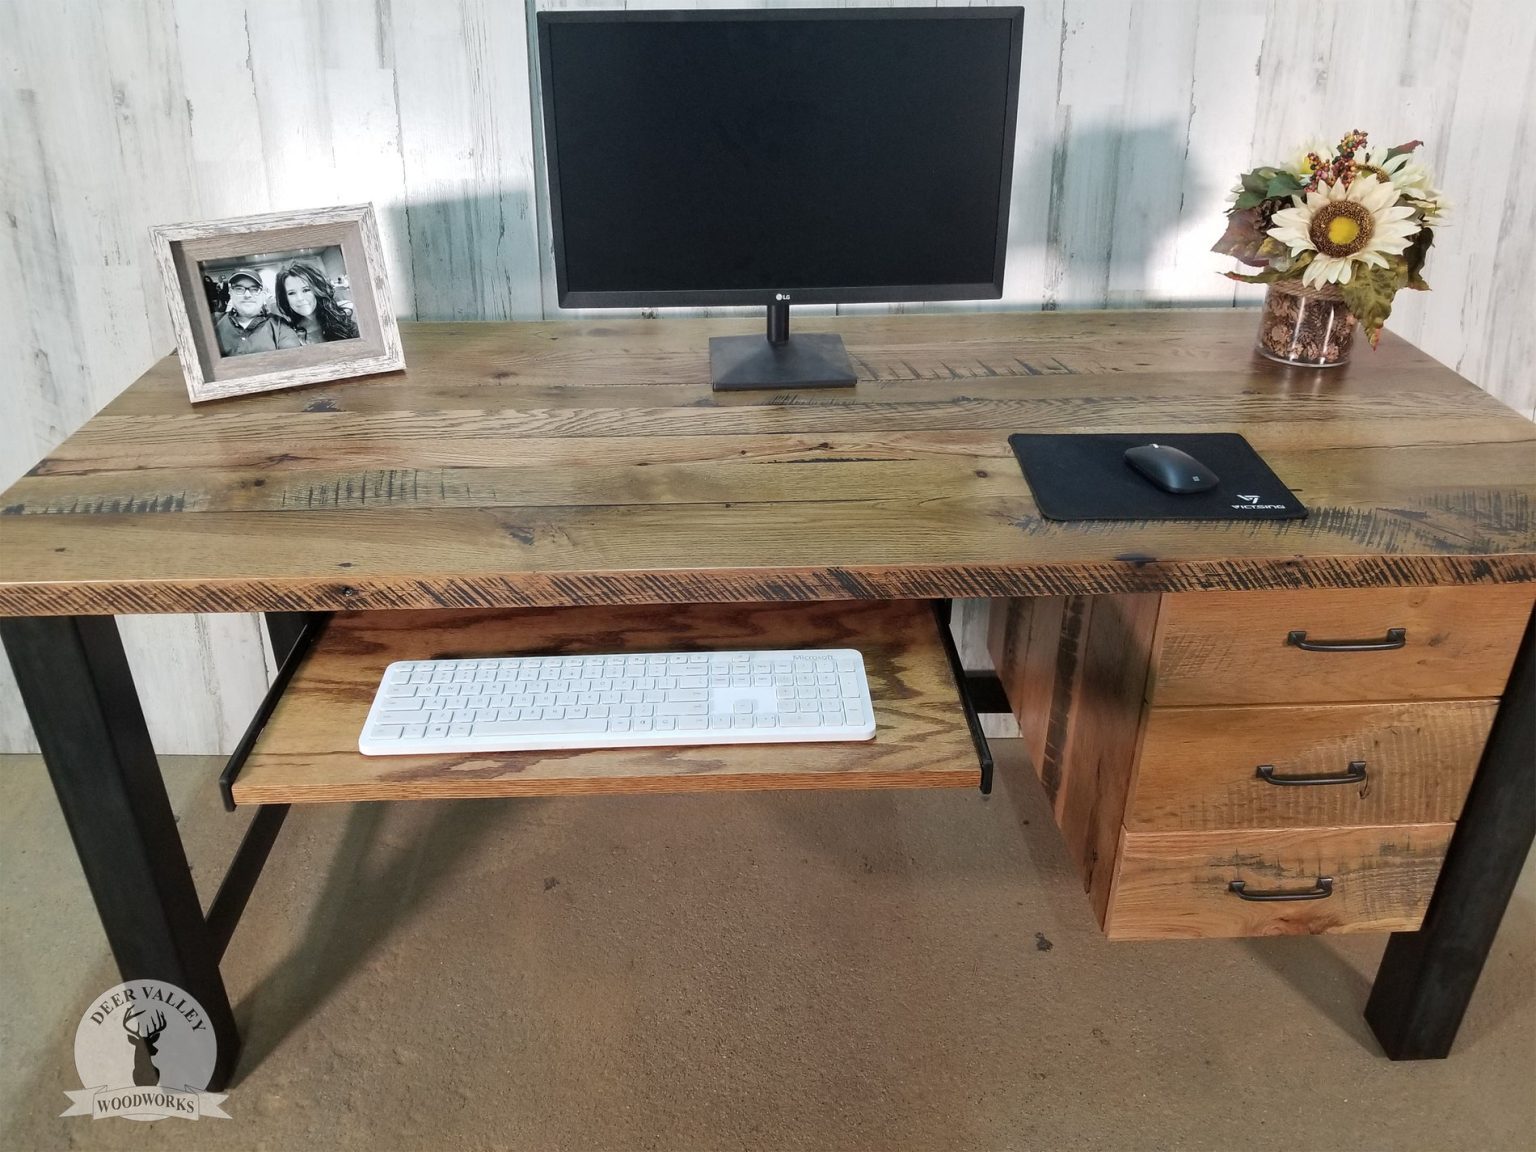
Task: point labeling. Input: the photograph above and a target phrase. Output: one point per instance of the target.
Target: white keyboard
(631, 700)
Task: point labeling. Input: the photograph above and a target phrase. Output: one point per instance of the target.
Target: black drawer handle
(1322, 889)
(1395, 638)
(1354, 774)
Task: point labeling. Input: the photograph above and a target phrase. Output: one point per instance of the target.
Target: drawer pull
(1354, 774)
(1395, 638)
(1322, 889)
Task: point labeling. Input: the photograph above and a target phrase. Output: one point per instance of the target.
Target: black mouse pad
(1085, 477)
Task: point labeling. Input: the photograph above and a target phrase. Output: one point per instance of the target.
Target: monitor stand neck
(811, 360)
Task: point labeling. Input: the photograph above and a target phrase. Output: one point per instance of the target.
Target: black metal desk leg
(79, 692)
(1426, 977)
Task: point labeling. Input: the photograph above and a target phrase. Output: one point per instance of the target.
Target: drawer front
(1234, 647)
(1178, 884)
(1350, 764)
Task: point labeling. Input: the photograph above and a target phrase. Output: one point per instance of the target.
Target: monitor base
(809, 360)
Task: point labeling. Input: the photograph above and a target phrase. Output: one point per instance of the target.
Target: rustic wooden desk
(551, 465)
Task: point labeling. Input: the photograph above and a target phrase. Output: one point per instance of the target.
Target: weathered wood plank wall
(1135, 116)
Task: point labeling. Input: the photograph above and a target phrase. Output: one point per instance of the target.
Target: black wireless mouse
(1170, 469)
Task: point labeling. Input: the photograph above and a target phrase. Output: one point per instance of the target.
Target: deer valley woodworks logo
(145, 1051)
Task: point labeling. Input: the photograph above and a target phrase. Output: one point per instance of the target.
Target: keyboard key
(386, 731)
(411, 705)
(542, 727)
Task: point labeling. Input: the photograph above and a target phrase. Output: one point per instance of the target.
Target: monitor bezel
(785, 293)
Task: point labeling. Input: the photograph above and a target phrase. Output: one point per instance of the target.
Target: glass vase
(1307, 326)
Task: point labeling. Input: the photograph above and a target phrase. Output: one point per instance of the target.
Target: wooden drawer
(1178, 884)
(1197, 767)
(1232, 648)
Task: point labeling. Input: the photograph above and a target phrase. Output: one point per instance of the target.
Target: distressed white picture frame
(180, 249)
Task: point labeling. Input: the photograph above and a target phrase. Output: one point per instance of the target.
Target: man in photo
(247, 326)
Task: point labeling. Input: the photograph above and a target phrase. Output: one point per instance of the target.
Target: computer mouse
(1170, 469)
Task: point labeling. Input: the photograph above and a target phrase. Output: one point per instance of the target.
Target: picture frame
(278, 300)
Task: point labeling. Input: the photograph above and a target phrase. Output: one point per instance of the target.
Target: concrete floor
(760, 971)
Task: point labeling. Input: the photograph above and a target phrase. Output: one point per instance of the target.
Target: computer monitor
(778, 157)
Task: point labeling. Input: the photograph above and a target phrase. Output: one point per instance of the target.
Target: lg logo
(781, 295)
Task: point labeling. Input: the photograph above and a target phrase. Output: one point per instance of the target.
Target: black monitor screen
(727, 157)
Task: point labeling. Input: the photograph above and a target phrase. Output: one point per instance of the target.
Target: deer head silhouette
(146, 1074)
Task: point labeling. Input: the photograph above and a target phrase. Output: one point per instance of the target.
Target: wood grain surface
(1232, 649)
(308, 751)
(1175, 884)
(1195, 770)
(1075, 669)
(574, 463)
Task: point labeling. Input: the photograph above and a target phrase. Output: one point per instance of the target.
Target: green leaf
(1248, 199)
(1257, 180)
(1270, 275)
(1369, 294)
(1282, 185)
(1401, 148)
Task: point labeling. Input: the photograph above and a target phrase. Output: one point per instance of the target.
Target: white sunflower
(1408, 177)
(1300, 166)
(1360, 222)
(1436, 209)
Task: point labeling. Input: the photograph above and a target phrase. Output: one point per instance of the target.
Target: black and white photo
(267, 301)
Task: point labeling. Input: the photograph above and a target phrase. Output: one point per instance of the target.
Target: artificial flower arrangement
(1353, 216)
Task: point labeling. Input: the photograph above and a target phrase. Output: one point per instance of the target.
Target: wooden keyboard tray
(307, 752)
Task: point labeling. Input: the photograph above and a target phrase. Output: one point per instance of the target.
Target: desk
(586, 463)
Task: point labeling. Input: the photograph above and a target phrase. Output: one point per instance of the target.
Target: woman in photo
(307, 302)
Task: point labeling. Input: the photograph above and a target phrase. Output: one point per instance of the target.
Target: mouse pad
(1085, 477)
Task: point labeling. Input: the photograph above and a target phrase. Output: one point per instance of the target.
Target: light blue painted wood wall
(1135, 117)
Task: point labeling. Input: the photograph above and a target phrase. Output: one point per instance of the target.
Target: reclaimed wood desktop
(552, 465)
